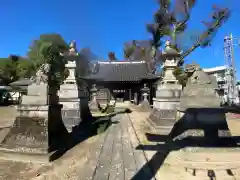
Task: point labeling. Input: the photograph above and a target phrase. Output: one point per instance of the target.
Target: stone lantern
(70, 93)
(94, 103)
(145, 93)
(168, 91)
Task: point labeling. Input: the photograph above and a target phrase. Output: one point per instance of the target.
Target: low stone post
(135, 98)
(94, 103)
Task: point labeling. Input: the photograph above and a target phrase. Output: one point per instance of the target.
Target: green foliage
(51, 53)
(181, 76)
(36, 48)
(26, 69)
(13, 68)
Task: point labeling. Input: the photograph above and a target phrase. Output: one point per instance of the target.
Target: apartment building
(223, 76)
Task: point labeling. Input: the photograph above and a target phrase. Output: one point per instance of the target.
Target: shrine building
(121, 80)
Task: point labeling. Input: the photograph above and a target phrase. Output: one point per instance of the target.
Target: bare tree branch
(219, 17)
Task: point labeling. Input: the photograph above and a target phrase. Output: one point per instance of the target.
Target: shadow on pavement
(213, 128)
(85, 130)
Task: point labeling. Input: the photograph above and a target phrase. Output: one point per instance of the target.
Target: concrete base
(68, 91)
(210, 120)
(171, 103)
(28, 136)
(163, 116)
(71, 118)
(34, 137)
(33, 110)
(71, 115)
(145, 106)
(162, 120)
(70, 103)
(167, 96)
(69, 98)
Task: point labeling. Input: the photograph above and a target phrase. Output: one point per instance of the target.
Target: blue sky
(103, 25)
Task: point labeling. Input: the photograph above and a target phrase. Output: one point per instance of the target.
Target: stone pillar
(94, 103)
(168, 92)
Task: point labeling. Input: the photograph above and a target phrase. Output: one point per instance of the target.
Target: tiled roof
(120, 71)
(21, 82)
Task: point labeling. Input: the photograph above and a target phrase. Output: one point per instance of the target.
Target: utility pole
(231, 80)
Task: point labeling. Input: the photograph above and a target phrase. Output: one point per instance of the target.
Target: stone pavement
(180, 165)
(116, 157)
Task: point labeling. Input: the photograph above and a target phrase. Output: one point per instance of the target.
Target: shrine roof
(21, 82)
(121, 71)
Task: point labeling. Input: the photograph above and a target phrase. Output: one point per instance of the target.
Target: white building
(220, 72)
(224, 78)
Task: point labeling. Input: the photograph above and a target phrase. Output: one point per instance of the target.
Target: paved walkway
(117, 157)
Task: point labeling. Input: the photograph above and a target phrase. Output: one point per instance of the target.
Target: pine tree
(171, 21)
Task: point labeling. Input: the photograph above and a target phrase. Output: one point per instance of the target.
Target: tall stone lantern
(70, 94)
(168, 92)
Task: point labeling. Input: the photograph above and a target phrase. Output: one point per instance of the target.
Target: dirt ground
(66, 168)
(72, 162)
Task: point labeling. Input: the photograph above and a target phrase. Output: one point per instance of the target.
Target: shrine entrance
(120, 95)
